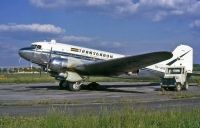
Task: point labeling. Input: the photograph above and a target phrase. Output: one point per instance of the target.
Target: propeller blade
(50, 54)
(31, 66)
(20, 60)
(34, 52)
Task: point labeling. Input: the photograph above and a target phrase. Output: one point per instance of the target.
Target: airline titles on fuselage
(90, 52)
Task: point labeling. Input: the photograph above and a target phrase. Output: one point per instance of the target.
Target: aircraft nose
(21, 52)
(24, 53)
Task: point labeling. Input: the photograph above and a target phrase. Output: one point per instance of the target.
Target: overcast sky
(122, 26)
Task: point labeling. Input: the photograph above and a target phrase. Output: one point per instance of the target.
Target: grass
(195, 79)
(126, 118)
(112, 79)
(36, 78)
(44, 78)
(26, 78)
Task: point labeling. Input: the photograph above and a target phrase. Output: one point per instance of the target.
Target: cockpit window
(39, 46)
(33, 46)
(36, 46)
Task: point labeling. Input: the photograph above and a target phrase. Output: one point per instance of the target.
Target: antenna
(53, 41)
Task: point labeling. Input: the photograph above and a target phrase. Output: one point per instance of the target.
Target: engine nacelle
(58, 64)
(69, 76)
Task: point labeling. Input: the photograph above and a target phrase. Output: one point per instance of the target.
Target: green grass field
(46, 78)
(127, 118)
(26, 78)
(36, 78)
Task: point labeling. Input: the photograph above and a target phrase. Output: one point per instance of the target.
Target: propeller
(50, 54)
(19, 61)
(31, 65)
(31, 61)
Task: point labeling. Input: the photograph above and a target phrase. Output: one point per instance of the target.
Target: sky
(121, 26)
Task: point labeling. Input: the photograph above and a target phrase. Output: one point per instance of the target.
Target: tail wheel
(75, 86)
(178, 87)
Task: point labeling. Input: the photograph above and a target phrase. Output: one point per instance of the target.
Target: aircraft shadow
(118, 88)
(48, 87)
(135, 85)
(105, 88)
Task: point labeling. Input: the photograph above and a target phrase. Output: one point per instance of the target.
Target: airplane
(72, 64)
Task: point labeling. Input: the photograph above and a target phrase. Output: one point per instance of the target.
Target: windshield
(36, 46)
(174, 70)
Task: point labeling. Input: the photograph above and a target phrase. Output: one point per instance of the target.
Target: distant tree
(196, 67)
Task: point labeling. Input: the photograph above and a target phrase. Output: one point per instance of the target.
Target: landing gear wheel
(178, 87)
(75, 86)
(63, 84)
(186, 86)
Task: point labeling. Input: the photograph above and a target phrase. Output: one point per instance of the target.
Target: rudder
(182, 56)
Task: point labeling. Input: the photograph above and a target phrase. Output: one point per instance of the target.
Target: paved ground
(28, 99)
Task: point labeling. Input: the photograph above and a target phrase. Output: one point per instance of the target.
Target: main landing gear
(72, 86)
(76, 86)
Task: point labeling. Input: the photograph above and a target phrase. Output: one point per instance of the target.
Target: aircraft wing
(122, 65)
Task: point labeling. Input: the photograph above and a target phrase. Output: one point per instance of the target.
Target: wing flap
(124, 64)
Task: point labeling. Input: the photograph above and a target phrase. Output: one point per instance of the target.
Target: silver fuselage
(44, 54)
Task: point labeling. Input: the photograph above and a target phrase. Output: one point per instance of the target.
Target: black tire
(63, 84)
(186, 86)
(178, 87)
(75, 86)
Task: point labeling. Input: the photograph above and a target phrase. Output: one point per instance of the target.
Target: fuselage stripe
(66, 54)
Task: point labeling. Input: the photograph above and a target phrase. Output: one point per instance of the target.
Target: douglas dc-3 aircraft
(71, 64)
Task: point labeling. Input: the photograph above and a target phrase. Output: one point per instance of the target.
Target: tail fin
(182, 56)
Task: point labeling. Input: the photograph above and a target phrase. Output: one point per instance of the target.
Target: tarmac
(39, 99)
